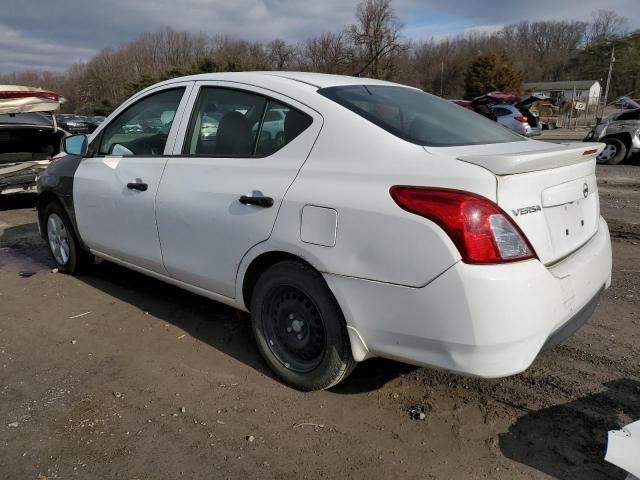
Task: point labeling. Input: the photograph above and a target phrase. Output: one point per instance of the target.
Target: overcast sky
(36, 34)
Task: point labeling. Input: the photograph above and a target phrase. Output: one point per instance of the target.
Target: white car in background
(389, 222)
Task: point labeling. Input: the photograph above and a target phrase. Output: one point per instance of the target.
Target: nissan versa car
(385, 222)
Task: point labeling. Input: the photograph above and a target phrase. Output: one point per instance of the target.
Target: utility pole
(606, 90)
(442, 78)
(572, 105)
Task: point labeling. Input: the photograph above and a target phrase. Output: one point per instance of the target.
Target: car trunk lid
(551, 193)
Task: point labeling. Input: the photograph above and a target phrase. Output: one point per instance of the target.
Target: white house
(587, 91)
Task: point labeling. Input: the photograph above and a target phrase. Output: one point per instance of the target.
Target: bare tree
(328, 53)
(280, 54)
(376, 35)
(606, 25)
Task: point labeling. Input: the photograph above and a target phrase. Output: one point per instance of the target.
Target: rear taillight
(521, 118)
(482, 231)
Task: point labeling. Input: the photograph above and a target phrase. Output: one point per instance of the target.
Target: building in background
(587, 91)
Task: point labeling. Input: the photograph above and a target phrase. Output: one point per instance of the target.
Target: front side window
(143, 128)
(419, 117)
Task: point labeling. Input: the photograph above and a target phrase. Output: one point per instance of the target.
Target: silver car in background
(517, 118)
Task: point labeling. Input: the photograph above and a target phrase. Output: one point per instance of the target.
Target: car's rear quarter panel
(350, 169)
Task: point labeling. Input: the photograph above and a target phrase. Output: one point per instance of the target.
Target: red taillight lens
(521, 118)
(482, 231)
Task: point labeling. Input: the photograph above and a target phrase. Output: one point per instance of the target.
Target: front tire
(615, 151)
(63, 243)
(299, 327)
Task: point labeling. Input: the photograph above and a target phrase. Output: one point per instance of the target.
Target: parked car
(620, 133)
(388, 223)
(28, 136)
(508, 110)
(74, 123)
(517, 118)
(95, 121)
(511, 111)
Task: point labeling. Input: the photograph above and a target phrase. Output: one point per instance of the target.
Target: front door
(115, 189)
(221, 192)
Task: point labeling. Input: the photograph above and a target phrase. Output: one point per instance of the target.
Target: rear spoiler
(19, 99)
(521, 162)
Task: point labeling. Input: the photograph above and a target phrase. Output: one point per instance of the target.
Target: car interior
(241, 116)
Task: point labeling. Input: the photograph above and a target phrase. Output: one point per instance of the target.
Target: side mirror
(75, 145)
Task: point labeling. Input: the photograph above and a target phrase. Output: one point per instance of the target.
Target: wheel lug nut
(291, 316)
(288, 329)
(299, 336)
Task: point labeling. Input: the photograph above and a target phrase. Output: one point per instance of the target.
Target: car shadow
(214, 323)
(568, 441)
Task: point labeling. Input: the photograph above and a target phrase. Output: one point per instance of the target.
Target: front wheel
(614, 152)
(299, 327)
(62, 241)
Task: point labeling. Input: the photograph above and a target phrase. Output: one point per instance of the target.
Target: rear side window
(281, 125)
(224, 123)
(419, 117)
(143, 128)
(501, 112)
(235, 123)
(633, 115)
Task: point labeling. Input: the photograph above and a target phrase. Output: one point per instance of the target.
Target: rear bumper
(482, 320)
(535, 131)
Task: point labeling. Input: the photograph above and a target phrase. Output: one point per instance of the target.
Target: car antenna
(378, 53)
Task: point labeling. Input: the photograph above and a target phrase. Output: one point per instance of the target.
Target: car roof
(303, 80)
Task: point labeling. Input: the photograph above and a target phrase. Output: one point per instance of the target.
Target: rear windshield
(419, 117)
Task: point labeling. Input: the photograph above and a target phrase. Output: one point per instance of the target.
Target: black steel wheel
(295, 333)
(299, 327)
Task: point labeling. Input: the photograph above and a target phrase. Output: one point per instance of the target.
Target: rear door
(221, 192)
(115, 190)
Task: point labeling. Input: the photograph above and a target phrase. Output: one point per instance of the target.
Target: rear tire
(615, 151)
(63, 243)
(299, 327)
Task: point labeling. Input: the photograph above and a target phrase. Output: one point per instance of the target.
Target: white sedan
(386, 222)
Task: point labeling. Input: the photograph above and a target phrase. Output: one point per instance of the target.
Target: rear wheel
(62, 241)
(615, 151)
(299, 327)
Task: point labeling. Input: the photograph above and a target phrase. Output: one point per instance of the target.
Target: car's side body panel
(204, 230)
(351, 173)
(114, 219)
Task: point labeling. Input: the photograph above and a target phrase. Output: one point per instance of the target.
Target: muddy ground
(114, 375)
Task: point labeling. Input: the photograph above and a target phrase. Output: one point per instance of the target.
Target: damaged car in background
(29, 136)
(620, 132)
(510, 111)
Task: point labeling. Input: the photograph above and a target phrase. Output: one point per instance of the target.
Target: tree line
(464, 65)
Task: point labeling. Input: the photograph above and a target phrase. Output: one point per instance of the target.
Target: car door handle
(137, 186)
(260, 201)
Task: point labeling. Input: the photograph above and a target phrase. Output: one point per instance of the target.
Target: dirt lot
(114, 375)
